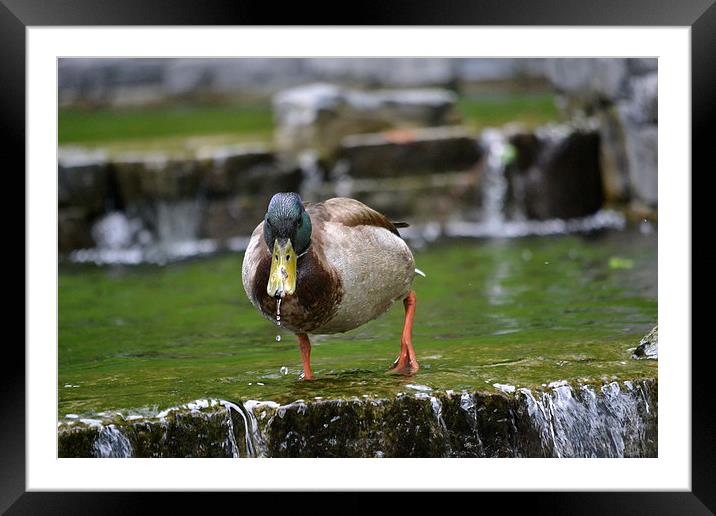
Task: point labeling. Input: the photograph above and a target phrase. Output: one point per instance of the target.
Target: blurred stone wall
(119, 82)
(217, 195)
(622, 96)
(400, 150)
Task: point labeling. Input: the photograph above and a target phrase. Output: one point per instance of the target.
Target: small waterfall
(588, 422)
(178, 222)
(254, 441)
(497, 221)
(176, 228)
(617, 419)
(540, 419)
(231, 439)
(111, 443)
(579, 430)
(310, 166)
(437, 407)
(467, 405)
(248, 427)
(156, 233)
(494, 189)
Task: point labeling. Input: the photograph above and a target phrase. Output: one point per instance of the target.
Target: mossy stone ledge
(617, 419)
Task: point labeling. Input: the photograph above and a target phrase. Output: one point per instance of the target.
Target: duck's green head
(287, 232)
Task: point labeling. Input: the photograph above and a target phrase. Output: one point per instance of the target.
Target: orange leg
(407, 363)
(305, 346)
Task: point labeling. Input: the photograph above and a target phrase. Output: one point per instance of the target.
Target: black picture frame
(17, 15)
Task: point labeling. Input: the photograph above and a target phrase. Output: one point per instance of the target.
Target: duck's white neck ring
(304, 252)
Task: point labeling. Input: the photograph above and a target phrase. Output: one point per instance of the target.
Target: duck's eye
(276, 257)
(288, 257)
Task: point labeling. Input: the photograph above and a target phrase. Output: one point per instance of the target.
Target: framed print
(238, 204)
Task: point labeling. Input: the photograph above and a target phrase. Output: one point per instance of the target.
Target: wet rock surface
(648, 346)
(617, 419)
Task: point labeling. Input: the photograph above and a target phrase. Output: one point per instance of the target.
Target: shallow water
(491, 314)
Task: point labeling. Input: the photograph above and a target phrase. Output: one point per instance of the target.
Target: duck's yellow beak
(282, 278)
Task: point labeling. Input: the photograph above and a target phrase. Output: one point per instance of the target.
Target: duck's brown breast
(318, 294)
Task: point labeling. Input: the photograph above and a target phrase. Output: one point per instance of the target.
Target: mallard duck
(329, 267)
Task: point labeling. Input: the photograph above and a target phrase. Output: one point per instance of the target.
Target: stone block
(642, 155)
(410, 152)
(74, 229)
(557, 173)
(82, 179)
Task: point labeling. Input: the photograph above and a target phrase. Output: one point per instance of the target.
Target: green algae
(521, 312)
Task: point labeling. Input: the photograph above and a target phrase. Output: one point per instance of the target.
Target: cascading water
(112, 443)
(312, 173)
(496, 222)
(591, 422)
(235, 453)
(177, 223)
(617, 419)
(248, 427)
(156, 233)
(494, 185)
(254, 441)
(437, 407)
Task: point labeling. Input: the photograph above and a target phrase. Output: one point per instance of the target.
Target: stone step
(617, 419)
(409, 152)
